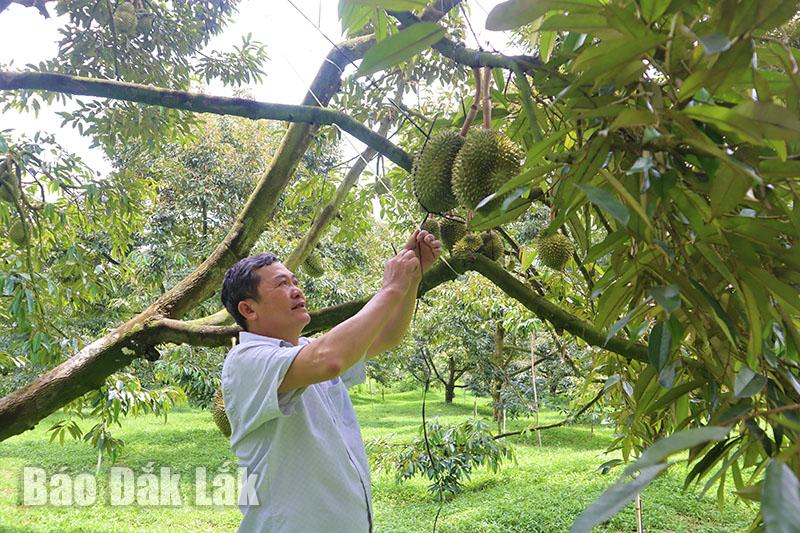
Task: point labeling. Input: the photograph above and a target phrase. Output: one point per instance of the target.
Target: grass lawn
(545, 491)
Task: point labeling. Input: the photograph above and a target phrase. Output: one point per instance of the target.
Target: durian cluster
(453, 171)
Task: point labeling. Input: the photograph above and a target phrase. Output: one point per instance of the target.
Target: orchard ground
(545, 491)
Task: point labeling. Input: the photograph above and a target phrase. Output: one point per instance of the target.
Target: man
(292, 422)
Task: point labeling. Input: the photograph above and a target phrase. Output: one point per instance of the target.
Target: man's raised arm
(342, 347)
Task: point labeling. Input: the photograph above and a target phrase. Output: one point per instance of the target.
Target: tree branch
(567, 420)
(471, 57)
(220, 105)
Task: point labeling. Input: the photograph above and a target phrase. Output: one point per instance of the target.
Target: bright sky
(294, 46)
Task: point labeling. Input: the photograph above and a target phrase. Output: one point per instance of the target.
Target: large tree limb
(88, 369)
(201, 103)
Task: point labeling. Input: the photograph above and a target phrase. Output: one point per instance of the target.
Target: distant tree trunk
(497, 381)
(450, 385)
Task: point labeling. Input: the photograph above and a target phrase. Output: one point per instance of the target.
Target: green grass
(544, 491)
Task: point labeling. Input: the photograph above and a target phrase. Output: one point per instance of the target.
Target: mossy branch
(201, 103)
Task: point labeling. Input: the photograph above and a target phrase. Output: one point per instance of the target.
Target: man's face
(281, 305)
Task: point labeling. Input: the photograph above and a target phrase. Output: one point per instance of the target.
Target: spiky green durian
(452, 232)
(469, 244)
(555, 250)
(487, 160)
(492, 245)
(16, 233)
(9, 186)
(433, 171)
(432, 226)
(125, 19)
(313, 265)
(218, 414)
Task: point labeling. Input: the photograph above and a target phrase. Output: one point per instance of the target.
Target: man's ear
(246, 310)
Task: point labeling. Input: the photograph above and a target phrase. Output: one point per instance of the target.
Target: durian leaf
(607, 202)
(526, 177)
(613, 55)
(398, 5)
(658, 347)
(780, 499)
(614, 499)
(399, 47)
(497, 216)
(516, 13)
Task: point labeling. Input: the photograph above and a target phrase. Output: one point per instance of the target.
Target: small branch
(473, 109)
(487, 98)
(567, 420)
(187, 101)
(316, 231)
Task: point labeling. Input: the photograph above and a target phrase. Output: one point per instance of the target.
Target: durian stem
(487, 99)
(473, 109)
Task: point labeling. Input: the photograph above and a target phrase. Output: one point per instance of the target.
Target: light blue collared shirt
(304, 446)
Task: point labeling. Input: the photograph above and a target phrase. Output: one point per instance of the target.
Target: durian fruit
(218, 414)
(492, 245)
(555, 250)
(17, 233)
(469, 244)
(452, 231)
(9, 187)
(432, 226)
(487, 160)
(433, 170)
(125, 19)
(313, 265)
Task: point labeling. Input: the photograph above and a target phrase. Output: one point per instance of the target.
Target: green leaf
(748, 383)
(658, 346)
(613, 54)
(675, 443)
(752, 121)
(780, 499)
(728, 188)
(515, 13)
(498, 216)
(715, 43)
(633, 117)
(669, 298)
(400, 46)
(653, 9)
(606, 201)
(396, 5)
(614, 499)
(3, 143)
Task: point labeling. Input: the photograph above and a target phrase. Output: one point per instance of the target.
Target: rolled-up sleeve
(356, 374)
(250, 380)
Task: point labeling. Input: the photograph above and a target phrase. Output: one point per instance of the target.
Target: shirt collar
(246, 336)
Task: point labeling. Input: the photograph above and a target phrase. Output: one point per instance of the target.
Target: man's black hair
(241, 282)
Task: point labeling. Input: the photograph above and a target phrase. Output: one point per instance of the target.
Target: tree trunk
(497, 382)
(450, 386)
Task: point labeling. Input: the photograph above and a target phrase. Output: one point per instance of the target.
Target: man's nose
(296, 292)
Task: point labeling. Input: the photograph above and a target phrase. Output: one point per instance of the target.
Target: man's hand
(400, 270)
(426, 247)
